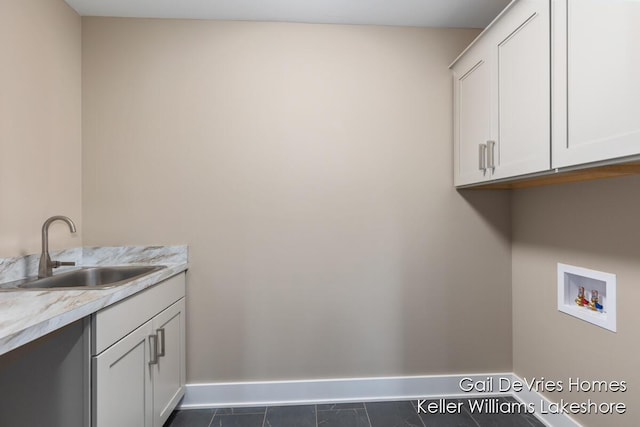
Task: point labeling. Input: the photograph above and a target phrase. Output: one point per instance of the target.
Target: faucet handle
(56, 264)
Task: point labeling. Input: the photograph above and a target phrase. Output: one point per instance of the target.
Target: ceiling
(415, 13)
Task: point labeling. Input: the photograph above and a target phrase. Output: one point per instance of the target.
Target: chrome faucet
(46, 266)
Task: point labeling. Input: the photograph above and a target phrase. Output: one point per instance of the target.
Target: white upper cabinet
(596, 75)
(502, 98)
(472, 106)
(550, 86)
(523, 90)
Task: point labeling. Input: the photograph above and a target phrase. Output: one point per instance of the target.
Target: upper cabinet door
(521, 49)
(596, 98)
(472, 114)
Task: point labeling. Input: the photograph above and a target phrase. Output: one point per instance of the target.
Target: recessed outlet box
(589, 295)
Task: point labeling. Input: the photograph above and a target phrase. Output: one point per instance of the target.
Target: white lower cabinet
(139, 379)
(122, 389)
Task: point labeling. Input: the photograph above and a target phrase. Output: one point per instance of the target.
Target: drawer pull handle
(491, 154)
(482, 152)
(153, 350)
(160, 333)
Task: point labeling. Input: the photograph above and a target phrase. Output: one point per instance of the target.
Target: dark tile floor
(368, 414)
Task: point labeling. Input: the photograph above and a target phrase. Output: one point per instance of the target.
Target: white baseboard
(267, 393)
(300, 392)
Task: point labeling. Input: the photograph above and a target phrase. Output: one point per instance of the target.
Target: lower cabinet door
(122, 388)
(169, 373)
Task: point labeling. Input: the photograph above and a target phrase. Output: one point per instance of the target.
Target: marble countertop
(26, 315)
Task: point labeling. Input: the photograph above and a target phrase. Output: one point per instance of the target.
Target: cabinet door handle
(491, 155)
(482, 151)
(160, 333)
(153, 350)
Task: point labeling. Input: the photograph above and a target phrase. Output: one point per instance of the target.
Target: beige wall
(592, 225)
(40, 123)
(309, 169)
